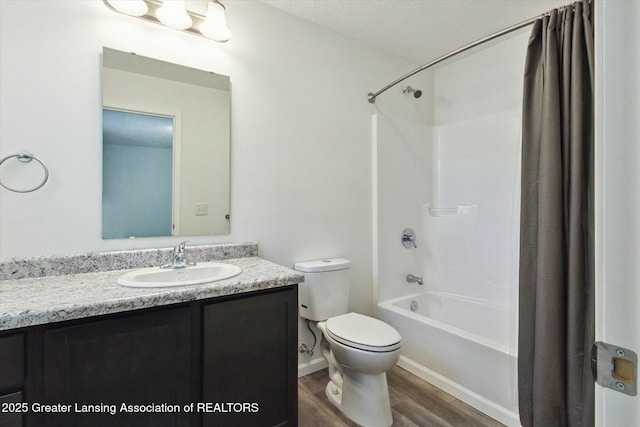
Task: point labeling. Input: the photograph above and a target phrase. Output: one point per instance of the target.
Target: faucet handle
(181, 248)
(179, 257)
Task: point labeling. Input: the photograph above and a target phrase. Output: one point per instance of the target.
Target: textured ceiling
(418, 30)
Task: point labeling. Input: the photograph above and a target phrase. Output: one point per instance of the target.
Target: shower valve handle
(409, 238)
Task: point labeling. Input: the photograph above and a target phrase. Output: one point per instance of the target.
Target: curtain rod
(372, 96)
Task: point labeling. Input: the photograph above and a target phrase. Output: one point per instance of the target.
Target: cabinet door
(12, 410)
(136, 359)
(12, 372)
(250, 361)
(11, 362)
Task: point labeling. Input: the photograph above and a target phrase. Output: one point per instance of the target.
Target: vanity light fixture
(174, 14)
(215, 24)
(130, 7)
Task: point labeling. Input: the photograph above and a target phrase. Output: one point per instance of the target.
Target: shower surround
(457, 184)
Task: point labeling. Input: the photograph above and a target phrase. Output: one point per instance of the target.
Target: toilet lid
(363, 332)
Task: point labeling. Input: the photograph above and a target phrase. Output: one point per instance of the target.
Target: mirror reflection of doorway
(137, 174)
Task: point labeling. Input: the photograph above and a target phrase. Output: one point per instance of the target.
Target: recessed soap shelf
(443, 212)
(453, 212)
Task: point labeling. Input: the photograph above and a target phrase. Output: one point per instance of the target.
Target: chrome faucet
(414, 279)
(179, 258)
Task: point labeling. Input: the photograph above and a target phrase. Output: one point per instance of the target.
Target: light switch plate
(202, 209)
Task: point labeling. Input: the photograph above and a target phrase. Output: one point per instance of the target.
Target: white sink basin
(156, 277)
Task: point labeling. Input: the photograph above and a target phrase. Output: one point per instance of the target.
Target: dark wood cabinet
(232, 359)
(250, 360)
(13, 410)
(12, 379)
(139, 359)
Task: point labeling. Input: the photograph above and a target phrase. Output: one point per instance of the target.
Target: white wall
(617, 36)
(478, 104)
(474, 251)
(403, 178)
(483, 81)
(469, 158)
(301, 145)
(300, 137)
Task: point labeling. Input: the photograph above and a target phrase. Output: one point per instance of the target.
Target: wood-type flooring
(414, 402)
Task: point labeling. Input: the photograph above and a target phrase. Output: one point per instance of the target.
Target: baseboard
(312, 366)
(492, 409)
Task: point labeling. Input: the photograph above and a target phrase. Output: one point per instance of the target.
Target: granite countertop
(38, 300)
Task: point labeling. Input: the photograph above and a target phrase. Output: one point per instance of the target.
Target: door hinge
(615, 367)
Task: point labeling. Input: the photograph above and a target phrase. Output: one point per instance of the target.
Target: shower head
(417, 93)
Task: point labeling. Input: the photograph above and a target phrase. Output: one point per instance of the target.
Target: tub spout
(414, 279)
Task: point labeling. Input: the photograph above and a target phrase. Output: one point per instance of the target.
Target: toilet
(359, 349)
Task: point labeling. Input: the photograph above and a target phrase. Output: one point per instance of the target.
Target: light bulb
(173, 13)
(130, 7)
(215, 24)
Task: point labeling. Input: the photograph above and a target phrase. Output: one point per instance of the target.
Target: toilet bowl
(362, 342)
(359, 350)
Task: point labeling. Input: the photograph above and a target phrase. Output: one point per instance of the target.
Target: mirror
(166, 148)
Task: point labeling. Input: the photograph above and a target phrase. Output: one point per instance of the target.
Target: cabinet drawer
(11, 362)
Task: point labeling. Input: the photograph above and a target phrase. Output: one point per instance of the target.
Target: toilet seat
(363, 332)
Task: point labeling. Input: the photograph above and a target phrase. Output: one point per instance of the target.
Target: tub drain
(414, 305)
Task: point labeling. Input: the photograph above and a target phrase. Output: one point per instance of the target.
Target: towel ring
(25, 157)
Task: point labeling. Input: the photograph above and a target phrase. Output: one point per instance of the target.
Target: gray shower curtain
(556, 299)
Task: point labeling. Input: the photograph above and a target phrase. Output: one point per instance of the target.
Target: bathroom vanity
(220, 353)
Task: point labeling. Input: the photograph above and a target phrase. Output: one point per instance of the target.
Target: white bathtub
(460, 345)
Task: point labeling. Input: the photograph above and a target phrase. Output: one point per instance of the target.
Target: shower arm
(371, 97)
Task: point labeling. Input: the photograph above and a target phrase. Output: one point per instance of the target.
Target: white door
(617, 26)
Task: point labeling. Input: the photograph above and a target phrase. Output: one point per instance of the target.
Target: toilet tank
(325, 290)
